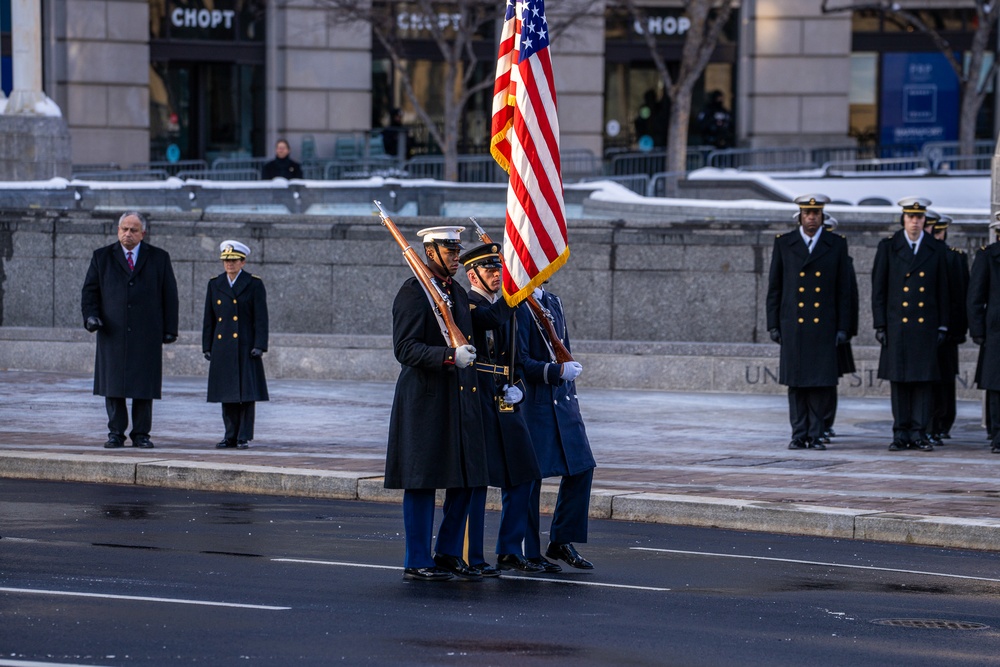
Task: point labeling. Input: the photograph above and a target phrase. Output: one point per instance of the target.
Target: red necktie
(131, 264)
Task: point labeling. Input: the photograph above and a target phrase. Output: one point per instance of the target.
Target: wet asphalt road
(106, 575)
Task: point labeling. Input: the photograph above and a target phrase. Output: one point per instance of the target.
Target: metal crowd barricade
(964, 165)
(243, 162)
(579, 163)
(938, 150)
(91, 168)
(654, 162)
(664, 183)
(471, 168)
(123, 175)
(637, 183)
(214, 174)
(172, 168)
(753, 159)
(914, 166)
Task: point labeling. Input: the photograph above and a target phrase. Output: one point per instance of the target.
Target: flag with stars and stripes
(525, 143)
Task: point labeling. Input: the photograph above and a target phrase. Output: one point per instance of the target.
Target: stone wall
(33, 148)
(626, 280)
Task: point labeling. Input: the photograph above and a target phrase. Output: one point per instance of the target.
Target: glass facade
(206, 79)
(636, 108)
(903, 91)
(425, 69)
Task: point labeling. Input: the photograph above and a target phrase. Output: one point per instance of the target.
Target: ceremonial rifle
(542, 314)
(440, 301)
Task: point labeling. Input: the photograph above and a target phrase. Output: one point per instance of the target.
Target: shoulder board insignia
(472, 306)
(256, 276)
(778, 236)
(982, 247)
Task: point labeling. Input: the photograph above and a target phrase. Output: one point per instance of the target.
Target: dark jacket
(436, 423)
(845, 355)
(958, 285)
(910, 301)
(138, 308)
(809, 301)
(984, 314)
(550, 407)
(510, 454)
(281, 167)
(235, 322)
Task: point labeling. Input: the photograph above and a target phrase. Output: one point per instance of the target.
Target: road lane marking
(140, 598)
(575, 582)
(816, 562)
(33, 663)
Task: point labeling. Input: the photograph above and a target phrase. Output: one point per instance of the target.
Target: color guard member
(984, 327)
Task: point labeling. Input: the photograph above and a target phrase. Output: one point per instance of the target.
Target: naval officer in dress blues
(234, 339)
(910, 313)
(808, 314)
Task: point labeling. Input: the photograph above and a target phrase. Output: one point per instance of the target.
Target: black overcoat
(958, 286)
(910, 301)
(984, 314)
(845, 354)
(550, 407)
(436, 423)
(809, 301)
(137, 308)
(235, 322)
(510, 454)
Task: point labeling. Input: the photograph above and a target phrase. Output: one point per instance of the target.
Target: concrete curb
(620, 505)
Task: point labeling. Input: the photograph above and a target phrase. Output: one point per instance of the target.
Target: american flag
(526, 144)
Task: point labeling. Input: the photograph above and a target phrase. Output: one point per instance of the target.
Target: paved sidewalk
(695, 459)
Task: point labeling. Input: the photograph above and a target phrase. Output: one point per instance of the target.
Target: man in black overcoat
(552, 412)
(910, 313)
(945, 406)
(234, 339)
(436, 423)
(984, 327)
(130, 299)
(808, 314)
(845, 354)
(510, 455)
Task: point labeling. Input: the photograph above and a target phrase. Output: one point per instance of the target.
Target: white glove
(464, 356)
(570, 371)
(512, 395)
(537, 293)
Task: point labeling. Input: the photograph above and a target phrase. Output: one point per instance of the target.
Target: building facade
(151, 80)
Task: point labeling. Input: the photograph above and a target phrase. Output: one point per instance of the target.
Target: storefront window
(206, 92)
(425, 67)
(636, 108)
(863, 98)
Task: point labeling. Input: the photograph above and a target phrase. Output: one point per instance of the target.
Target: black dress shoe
(456, 566)
(829, 433)
(519, 563)
(485, 569)
(797, 444)
(114, 442)
(934, 439)
(242, 444)
(566, 552)
(425, 574)
(547, 565)
(945, 436)
(897, 446)
(222, 444)
(923, 445)
(995, 449)
(143, 443)
(817, 444)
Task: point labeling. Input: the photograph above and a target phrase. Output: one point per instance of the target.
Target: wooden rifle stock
(542, 315)
(453, 335)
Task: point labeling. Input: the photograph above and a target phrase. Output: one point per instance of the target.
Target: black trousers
(238, 419)
(808, 410)
(142, 417)
(831, 414)
(945, 410)
(569, 518)
(911, 410)
(993, 416)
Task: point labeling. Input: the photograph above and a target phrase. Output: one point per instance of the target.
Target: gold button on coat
(218, 302)
(802, 274)
(220, 336)
(236, 335)
(235, 318)
(801, 320)
(905, 320)
(817, 274)
(906, 304)
(921, 274)
(906, 289)
(234, 300)
(921, 320)
(815, 320)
